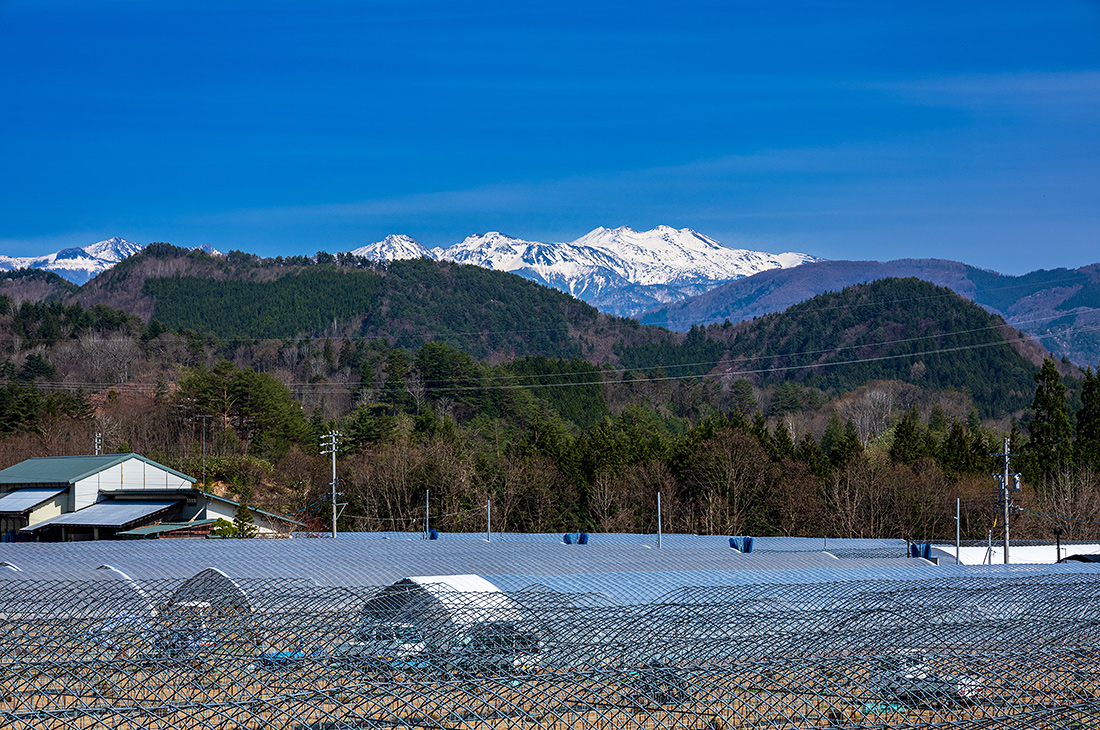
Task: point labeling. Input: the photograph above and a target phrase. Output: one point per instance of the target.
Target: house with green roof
(95, 497)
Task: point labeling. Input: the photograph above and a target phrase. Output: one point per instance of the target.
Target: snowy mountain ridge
(79, 265)
(618, 270)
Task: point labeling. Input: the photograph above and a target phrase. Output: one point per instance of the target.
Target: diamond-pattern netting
(960, 652)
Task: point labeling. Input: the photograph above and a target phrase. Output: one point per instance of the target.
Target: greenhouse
(341, 634)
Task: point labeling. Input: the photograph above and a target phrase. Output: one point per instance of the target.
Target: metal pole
(427, 531)
(958, 522)
(1007, 500)
(1058, 545)
(658, 519)
(329, 441)
(204, 419)
(489, 521)
(333, 435)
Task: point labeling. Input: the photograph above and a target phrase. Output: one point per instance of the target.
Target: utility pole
(329, 442)
(489, 521)
(1008, 483)
(427, 514)
(203, 419)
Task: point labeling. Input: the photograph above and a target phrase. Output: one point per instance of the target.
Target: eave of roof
(165, 527)
(112, 513)
(22, 501)
(71, 469)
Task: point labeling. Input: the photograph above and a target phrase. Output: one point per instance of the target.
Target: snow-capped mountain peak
(78, 265)
(113, 249)
(393, 247)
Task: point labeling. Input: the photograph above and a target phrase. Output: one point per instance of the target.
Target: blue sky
(849, 130)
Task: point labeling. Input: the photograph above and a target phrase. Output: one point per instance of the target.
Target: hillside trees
(1088, 423)
(1050, 446)
(259, 409)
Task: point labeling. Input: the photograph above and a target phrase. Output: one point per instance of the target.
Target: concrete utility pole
(1009, 483)
(203, 418)
(329, 442)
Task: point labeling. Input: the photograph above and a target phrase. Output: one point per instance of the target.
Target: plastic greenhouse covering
(887, 644)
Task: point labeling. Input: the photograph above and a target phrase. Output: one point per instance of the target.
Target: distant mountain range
(620, 271)
(677, 278)
(80, 265)
(1060, 308)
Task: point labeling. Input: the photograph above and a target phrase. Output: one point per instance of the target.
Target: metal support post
(958, 522)
(658, 519)
(1007, 498)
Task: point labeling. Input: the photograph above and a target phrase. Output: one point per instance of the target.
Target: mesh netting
(976, 652)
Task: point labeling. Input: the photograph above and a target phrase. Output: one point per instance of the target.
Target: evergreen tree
(955, 453)
(833, 436)
(782, 443)
(741, 398)
(937, 421)
(1050, 447)
(243, 524)
(1088, 422)
(907, 439)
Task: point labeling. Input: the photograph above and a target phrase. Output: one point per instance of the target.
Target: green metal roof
(70, 469)
(163, 527)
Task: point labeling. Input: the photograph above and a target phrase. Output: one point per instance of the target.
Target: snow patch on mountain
(619, 270)
(393, 248)
(80, 265)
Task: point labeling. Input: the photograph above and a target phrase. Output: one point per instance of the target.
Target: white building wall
(136, 475)
(86, 492)
(53, 508)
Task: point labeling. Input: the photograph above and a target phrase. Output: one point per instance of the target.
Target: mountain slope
(1060, 308)
(489, 314)
(77, 265)
(620, 271)
(890, 329)
(393, 248)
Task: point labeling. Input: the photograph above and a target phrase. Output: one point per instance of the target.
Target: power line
(453, 385)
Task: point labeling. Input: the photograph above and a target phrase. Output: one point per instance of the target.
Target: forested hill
(34, 285)
(1059, 307)
(486, 313)
(890, 329)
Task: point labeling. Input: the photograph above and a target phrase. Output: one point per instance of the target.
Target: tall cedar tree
(1050, 447)
(1088, 422)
